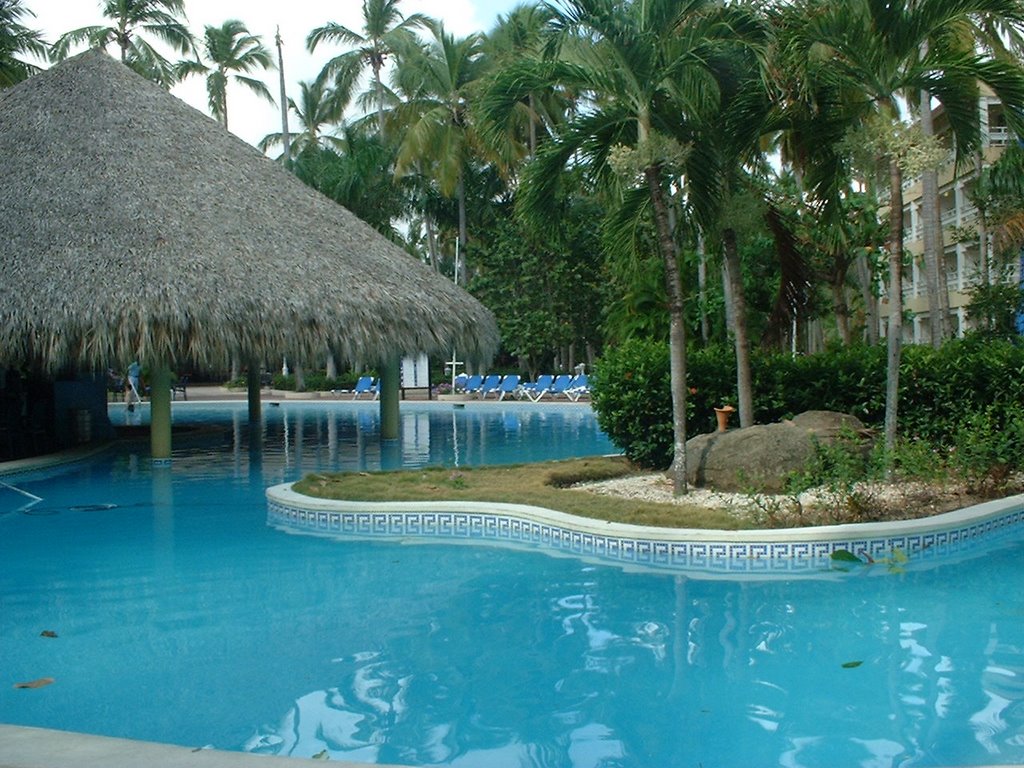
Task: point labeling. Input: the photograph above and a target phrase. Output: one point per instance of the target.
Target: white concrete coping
(787, 549)
(25, 747)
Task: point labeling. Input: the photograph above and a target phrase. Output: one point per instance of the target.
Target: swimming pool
(182, 617)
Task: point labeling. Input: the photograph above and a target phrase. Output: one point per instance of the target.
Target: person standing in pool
(131, 390)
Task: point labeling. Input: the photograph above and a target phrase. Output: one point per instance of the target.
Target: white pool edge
(790, 550)
(30, 747)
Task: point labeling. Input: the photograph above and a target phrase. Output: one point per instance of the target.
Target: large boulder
(762, 457)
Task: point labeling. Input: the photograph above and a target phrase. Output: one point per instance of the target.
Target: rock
(761, 457)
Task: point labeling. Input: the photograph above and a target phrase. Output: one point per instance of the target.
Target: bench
(180, 386)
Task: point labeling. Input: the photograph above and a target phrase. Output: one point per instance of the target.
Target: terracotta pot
(723, 414)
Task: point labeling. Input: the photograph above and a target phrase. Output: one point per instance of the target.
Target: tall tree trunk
(533, 127)
(938, 309)
(285, 137)
(702, 288)
(435, 262)
(460, 191)
(378, 88)
(744, 385)
(983, 266)
(841, 307)
(895, 336)
(677, 328)
(866, 281)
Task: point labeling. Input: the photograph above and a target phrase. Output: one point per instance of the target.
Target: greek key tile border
(792, 551)
(39, 467)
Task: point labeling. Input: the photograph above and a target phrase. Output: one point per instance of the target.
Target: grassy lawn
(543, 485)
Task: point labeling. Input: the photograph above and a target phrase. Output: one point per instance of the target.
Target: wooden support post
(253, 387)
(160, 411)
(390, 384)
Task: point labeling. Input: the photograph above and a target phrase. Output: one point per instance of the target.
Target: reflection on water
(610, 669)
(345, 436)
(181, 617)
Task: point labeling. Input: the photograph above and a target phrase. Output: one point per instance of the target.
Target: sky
(250, 117)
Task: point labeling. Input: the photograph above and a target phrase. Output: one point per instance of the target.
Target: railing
(998, 136)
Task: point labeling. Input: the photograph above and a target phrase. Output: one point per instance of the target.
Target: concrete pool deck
(24, 747)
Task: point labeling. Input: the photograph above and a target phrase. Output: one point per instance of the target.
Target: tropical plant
(440, 137)
(522, 33)
(319, 107)
(357, 171)
(647, 70)
(230, 50)
(385, 32)
(868, 53)
(163, 19)
(17, 40)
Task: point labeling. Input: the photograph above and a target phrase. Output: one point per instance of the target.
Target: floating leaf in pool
(322, 755)
(47, 633)
(845, 556)
(36, 683)
(852, 664)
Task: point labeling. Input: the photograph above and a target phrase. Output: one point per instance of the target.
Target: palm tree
(871, 52)
(385, 32)
(230, 50)
(319, 107)
(163, 19)
(648, 71)
(518, 34)
(720, 172)
(440, 137)
(16, 40)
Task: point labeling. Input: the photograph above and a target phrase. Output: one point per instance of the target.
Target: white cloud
(250, 117)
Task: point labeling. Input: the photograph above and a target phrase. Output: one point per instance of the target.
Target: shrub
(633, 402)
(986, 450)
(939, 388)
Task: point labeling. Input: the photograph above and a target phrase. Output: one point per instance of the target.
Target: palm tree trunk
(460, 191)
(285, 138)
(983, 267)
(866, 280)
(744, 385)
(378, 88)
(933, 261)
(428, 222)
(677, 328)
(895, 336)
(533, 127)
(841, 307)
(702, 288)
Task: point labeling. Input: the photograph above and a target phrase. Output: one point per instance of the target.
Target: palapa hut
(133, 226)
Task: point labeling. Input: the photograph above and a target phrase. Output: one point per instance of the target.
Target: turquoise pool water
(182, 617)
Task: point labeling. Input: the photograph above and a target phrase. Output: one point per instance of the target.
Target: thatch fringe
(132, 225)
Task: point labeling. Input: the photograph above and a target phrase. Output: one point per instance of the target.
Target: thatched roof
(132, 225)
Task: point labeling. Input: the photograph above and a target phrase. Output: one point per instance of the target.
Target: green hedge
(939, 389)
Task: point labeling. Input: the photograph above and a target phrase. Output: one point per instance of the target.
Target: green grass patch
(547, 484)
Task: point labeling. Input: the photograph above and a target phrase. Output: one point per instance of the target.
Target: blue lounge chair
(508, 385)
(473, 383)
(490, 384)
(365, 386)
(537, 389)
(578, 387)
(459, 385)
(558, 386)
